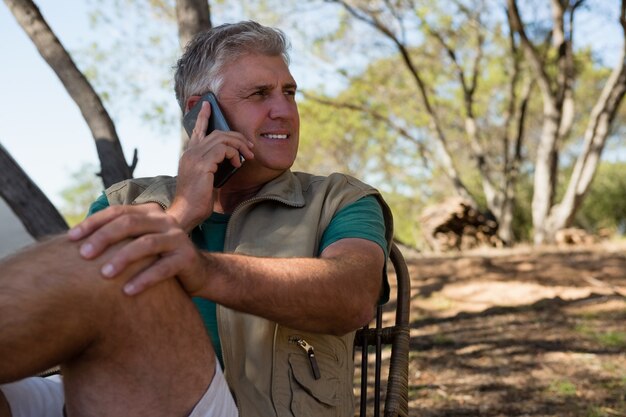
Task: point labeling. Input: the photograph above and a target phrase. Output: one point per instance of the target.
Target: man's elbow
(361, 316)
(366, 314)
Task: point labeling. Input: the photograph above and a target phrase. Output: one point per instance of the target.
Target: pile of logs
(573, 236)
(456, 225)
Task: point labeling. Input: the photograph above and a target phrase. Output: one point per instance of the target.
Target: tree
(458, 42)
(556, 83)
(16, 187)
(39, 216)
(470, 36)
(114, 167)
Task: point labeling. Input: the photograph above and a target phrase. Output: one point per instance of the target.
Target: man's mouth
(275, 136)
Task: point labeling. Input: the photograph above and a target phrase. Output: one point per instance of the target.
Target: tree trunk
(113, 163)
(192, 17)
(595, 137)
(544, 181)
(28, 202)
(548, 219)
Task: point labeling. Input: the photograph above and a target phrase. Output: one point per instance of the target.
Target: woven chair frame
(396, 398)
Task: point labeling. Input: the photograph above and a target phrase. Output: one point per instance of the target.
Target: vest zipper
(310, 352)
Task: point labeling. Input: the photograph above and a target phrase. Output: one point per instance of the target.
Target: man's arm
(335, 293)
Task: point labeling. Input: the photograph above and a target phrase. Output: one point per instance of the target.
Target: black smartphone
(216, 121)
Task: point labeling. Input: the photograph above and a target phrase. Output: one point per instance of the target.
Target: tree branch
(28, 202)
(536, 63)
(596, 134)
(483, 162)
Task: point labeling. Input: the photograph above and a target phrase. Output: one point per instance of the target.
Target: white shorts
(43, 397)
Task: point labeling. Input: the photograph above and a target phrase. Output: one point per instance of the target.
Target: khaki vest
(268, 373)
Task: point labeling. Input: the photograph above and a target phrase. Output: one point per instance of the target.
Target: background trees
(501, 105)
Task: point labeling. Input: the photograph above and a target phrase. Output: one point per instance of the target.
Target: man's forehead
(259, 71)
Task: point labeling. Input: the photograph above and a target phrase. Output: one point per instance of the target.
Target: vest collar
(285, 188)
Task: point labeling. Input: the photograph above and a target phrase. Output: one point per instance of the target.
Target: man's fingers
(202, 123)
(228, 147)
(164, 268)
(122, 227)
(94, 222)
(139, 248)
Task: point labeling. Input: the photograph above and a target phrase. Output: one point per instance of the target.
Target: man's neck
(227, 199)
(239, 189)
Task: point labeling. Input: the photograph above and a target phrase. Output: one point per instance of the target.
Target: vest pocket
(310, 396)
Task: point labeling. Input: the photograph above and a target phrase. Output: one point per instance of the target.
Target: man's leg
(144, 355)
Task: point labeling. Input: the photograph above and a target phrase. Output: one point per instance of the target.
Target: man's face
(258, 100)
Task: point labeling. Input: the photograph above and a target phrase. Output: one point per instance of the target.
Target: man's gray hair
(199, 70)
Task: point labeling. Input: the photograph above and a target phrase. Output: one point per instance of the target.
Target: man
(283, 267)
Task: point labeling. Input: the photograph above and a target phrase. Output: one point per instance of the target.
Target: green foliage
(605, 204)
(84, 188)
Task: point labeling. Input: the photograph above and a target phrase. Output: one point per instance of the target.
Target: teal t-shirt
(361, 219)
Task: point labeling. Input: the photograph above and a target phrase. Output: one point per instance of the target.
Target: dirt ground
(519, 332)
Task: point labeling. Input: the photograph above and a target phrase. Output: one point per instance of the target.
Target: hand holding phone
(216, 121)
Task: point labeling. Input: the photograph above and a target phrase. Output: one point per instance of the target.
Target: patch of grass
(587, 315)
(610, 339)
(595, 411)
(584, 329)
(562, 388)
(602, 411)
(442, 340)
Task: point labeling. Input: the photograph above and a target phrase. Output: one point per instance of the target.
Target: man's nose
(282, 106)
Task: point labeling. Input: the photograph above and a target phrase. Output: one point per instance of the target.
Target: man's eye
(261, 93)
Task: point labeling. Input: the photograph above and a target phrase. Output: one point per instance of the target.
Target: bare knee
(53, 305)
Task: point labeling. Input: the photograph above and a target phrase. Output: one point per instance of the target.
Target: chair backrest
(397, 336)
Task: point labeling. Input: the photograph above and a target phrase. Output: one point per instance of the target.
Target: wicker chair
(396, 397)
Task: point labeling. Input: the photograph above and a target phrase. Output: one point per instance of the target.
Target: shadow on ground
(519, 333)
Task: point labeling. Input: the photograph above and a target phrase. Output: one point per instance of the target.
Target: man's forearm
(333, 294)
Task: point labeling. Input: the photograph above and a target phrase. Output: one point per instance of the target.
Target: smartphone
(225, 169)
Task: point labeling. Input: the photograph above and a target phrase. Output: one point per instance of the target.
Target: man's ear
(191, 101)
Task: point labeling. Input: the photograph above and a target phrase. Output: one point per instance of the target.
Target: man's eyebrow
(259, 87)
(262, 87)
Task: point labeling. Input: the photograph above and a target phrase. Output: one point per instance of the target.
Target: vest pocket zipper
(310, 352)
